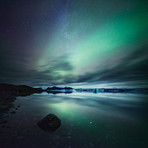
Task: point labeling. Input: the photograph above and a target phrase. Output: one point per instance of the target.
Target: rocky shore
(9, 92)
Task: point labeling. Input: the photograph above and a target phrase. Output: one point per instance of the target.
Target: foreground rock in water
(50, 123)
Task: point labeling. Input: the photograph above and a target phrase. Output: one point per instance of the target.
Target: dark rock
(3, 126)
(50, 123)
(13, 112)
(3, 121)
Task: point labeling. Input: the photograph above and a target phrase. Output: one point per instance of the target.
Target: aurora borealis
(74, 42)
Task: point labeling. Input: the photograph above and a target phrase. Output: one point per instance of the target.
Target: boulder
(49, 123)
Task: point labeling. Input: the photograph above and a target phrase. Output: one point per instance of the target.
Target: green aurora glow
(75, 42)
(87, 50)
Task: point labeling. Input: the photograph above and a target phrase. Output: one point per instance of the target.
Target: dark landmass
(49, 123)
(9, 92)
(19, 90)
(67, 90)
(56, 90)
(114, 90)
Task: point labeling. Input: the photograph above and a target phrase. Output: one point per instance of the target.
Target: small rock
(3, 126)
(3, 122)
(13, 112)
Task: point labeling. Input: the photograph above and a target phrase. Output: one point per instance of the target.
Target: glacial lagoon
(88, 120)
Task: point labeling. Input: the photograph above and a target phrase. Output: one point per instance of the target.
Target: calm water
(87, 121)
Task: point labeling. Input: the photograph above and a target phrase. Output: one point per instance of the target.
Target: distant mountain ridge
(56, 90)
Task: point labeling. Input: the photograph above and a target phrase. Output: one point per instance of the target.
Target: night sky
(80, 43)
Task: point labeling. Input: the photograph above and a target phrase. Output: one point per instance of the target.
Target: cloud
(133, 67)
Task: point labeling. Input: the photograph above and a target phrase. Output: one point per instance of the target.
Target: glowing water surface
(88, 120)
